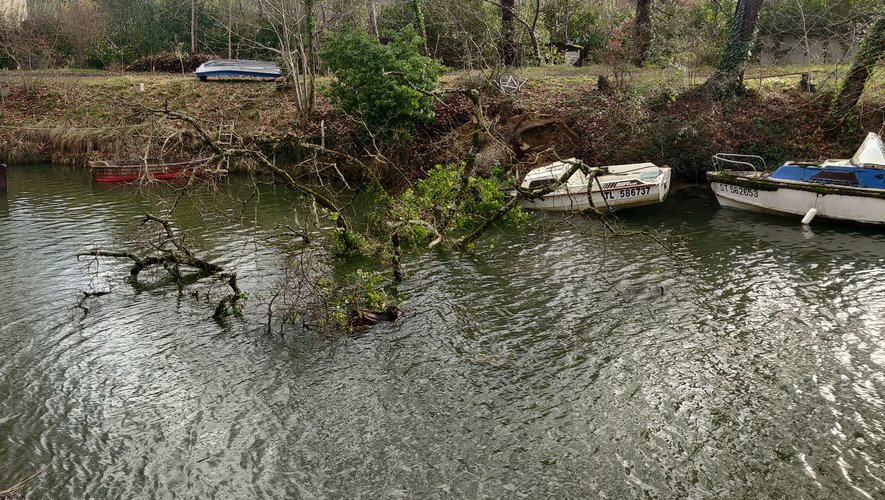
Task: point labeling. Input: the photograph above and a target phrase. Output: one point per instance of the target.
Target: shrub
(384, 86)
(436, 200)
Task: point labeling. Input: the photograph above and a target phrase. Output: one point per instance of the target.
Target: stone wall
(793, 49)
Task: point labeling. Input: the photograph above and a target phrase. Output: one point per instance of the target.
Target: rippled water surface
(747, 362)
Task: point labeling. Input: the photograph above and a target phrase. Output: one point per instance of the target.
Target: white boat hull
(237, 67)
(797, 202)
(610, 193)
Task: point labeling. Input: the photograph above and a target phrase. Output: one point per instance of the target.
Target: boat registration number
(628, 193)
(740, 191)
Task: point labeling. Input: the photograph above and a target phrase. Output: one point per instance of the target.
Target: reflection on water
(749, 362)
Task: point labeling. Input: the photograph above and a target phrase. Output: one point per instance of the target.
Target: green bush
(436, 200)
(585, 26)
(384, 86)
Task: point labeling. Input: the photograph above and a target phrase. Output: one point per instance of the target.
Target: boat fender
(809, 216)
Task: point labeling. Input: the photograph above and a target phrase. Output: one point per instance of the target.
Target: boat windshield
(871, 152)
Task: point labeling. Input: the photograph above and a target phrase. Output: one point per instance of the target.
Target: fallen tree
(171, 253)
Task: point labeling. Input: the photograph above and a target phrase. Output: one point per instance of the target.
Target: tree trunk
(310, 29)
(508, 48)
(419, 19)
(533, 32)
(193, 26)
(871, 51)
(643, 31)
(728, 80)
(230, 28)
(372, 24)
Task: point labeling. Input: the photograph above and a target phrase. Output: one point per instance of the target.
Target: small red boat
(161, 169)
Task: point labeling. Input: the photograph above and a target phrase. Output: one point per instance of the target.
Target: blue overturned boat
(848, 190)
(238, 68)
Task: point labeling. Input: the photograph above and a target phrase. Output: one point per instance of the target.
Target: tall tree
(193, 26)
(310, 54)
(508, 46)
(728, 80)
(871, 51)
(643, 31)
(372, 22)
(509, 16)
(293, 26)
(230, 23)
(419, 20)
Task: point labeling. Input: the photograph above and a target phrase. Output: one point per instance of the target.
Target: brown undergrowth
(73, 119)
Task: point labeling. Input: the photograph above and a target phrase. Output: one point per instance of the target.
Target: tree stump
(805, 83)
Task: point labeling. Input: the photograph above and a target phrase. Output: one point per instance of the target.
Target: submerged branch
(167, 258)
(232, 301)
(171, 259)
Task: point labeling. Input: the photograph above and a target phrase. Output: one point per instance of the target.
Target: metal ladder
(226, 137)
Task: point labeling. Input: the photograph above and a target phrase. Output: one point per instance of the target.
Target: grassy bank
(70, 117)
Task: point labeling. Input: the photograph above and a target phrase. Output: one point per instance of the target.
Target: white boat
(238, 67)
(849, 190)
(603, 188)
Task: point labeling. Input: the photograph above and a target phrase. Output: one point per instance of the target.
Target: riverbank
(71, 117)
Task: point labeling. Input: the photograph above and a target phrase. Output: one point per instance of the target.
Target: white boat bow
(609, 187)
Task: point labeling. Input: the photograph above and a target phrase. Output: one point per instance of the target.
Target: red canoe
(161, 169)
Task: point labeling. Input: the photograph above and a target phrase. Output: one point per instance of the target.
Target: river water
(744, 360)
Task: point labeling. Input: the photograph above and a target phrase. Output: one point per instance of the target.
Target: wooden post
(3, 183)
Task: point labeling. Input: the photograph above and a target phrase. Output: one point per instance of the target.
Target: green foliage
(438, 200)
(347, 243)
(366, 292)
(688, 35)
(374, 296)
(384, 86)
(106, 55)
(584, 25)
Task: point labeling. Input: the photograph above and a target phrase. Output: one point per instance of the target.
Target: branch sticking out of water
(172, 259)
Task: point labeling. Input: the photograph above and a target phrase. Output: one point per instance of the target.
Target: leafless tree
(510, 16)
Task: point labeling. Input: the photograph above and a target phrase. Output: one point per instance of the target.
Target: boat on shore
(161, 169)
(847, 190)
(238, 67)
(604, 188)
